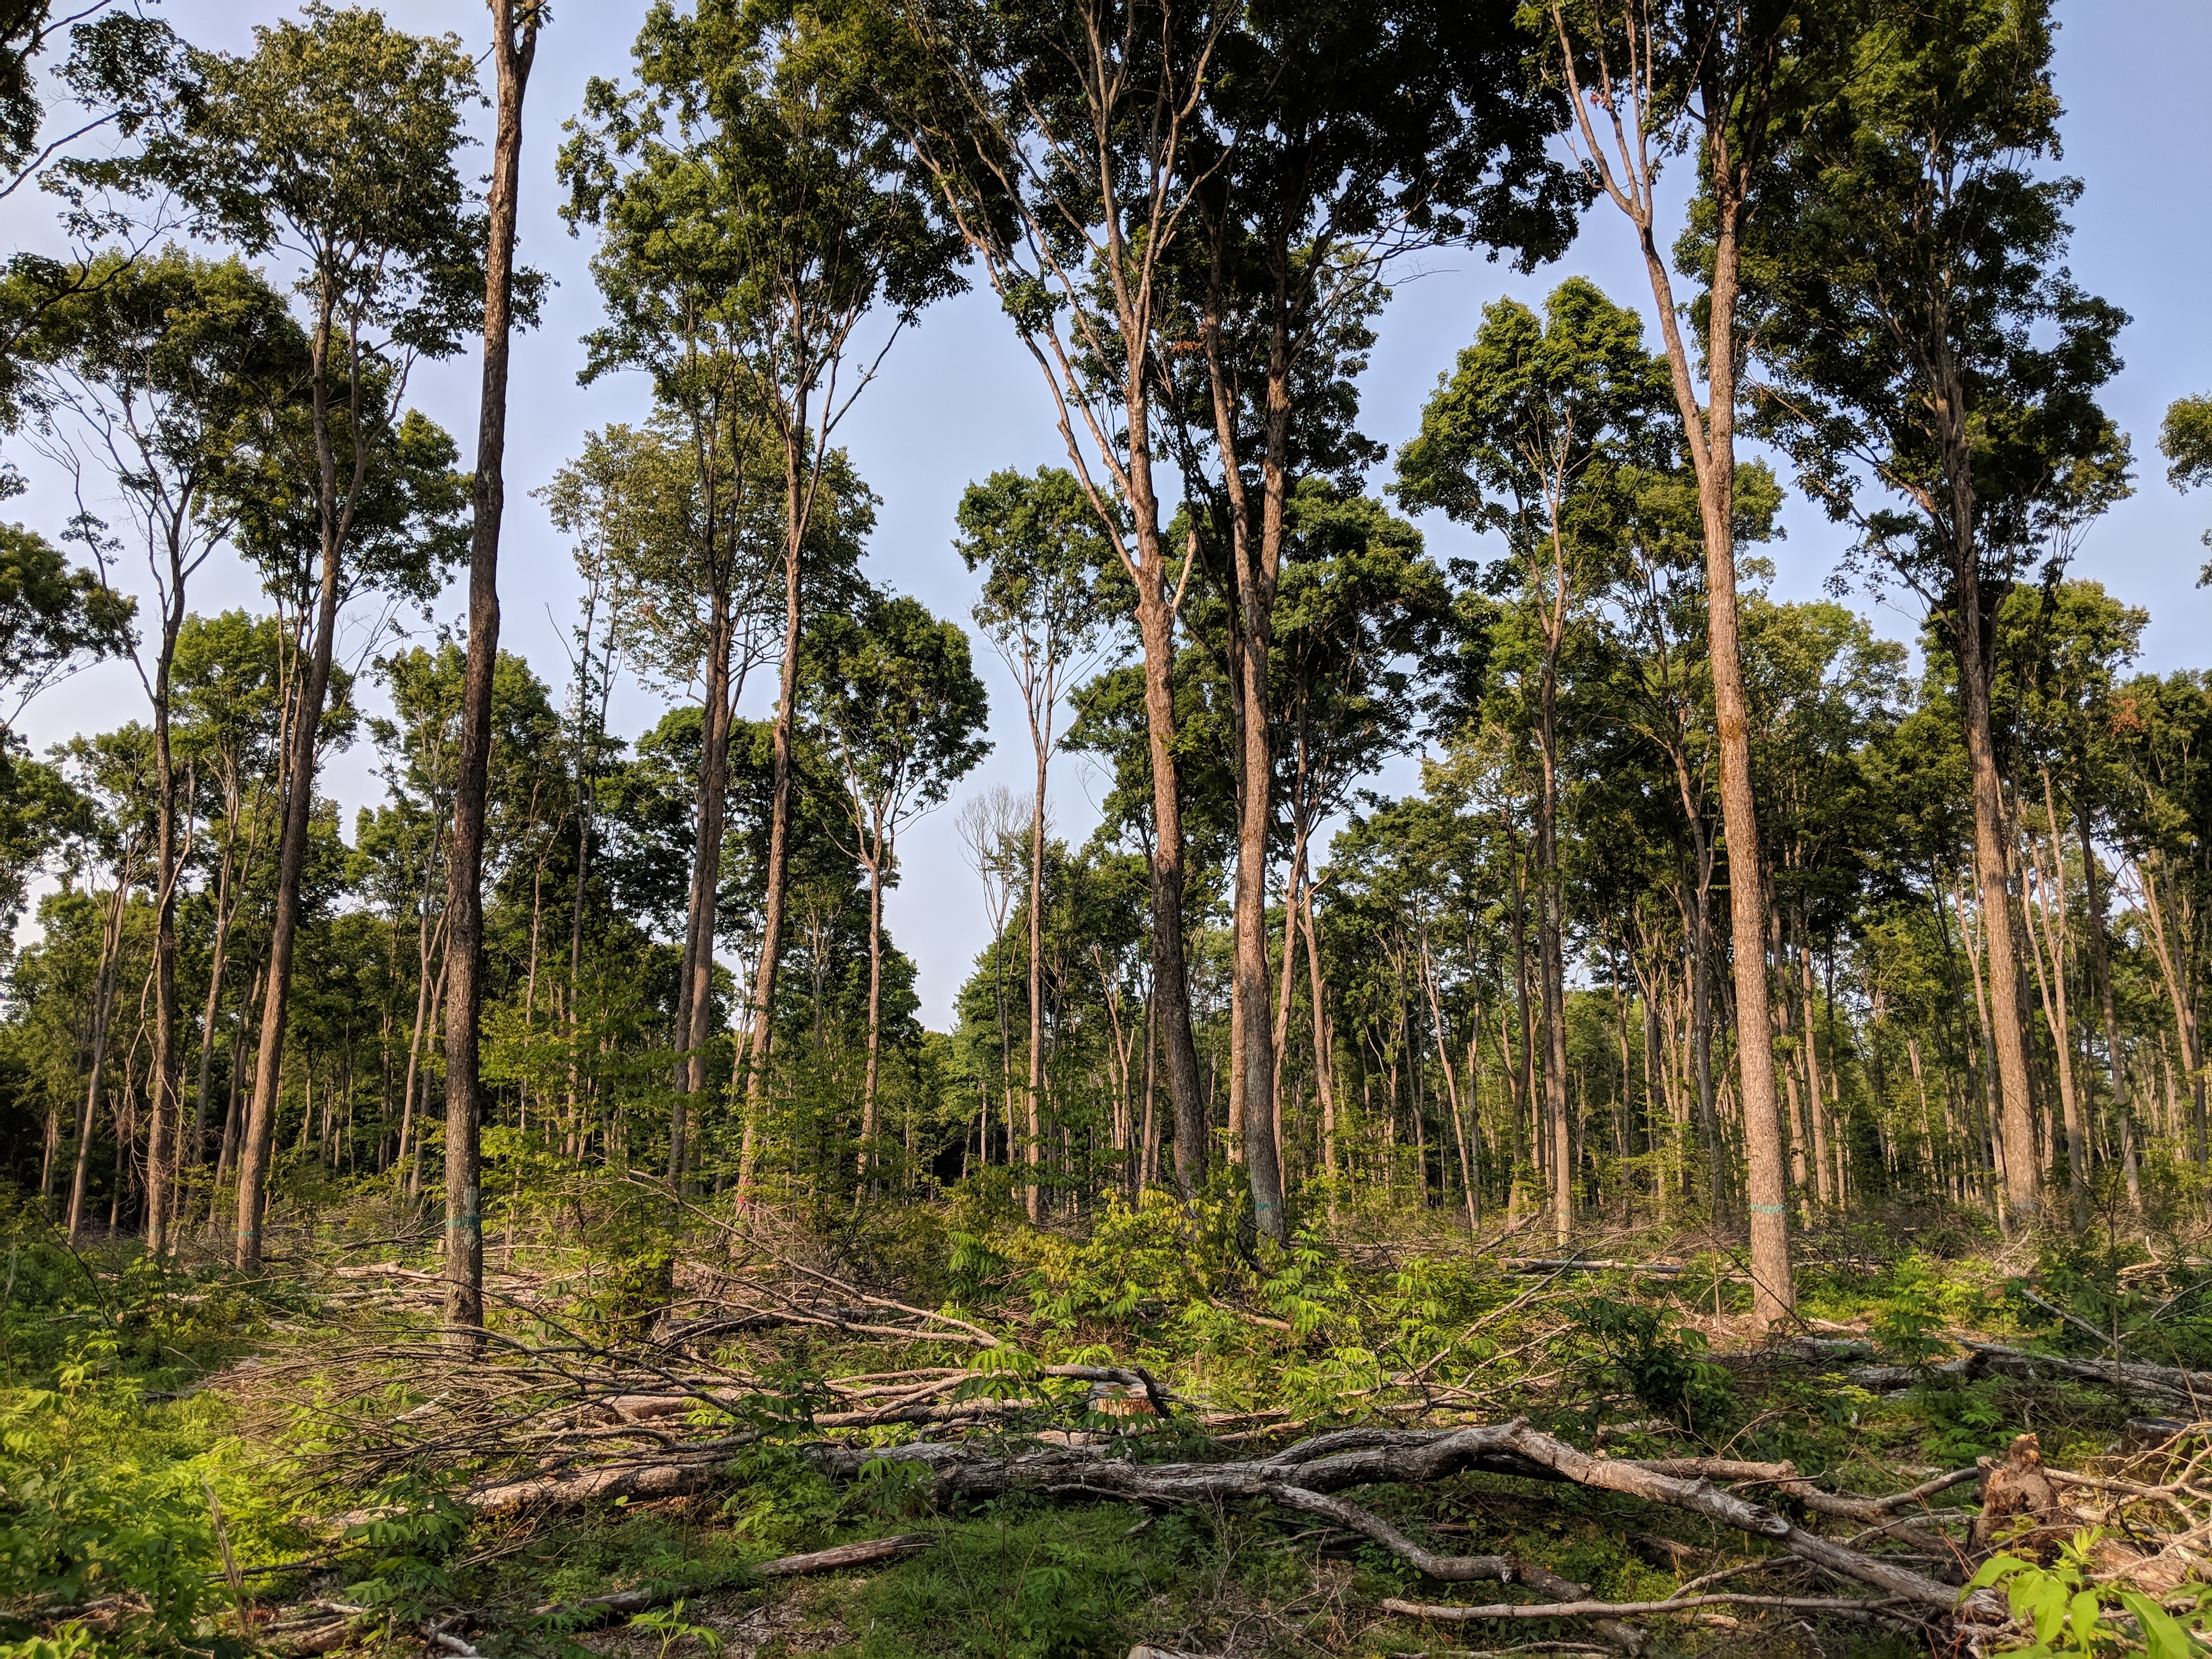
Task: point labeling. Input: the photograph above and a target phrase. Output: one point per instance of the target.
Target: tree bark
(1253, 583)
(298, 787)
(1551, 920)
(514, 45)
(2166, 949)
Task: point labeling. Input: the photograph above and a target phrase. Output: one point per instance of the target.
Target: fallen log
(2193, 1386)
(1540, 1264)
(865, 1553)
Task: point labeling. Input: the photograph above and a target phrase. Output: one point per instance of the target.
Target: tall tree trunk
(1451, 1086)
(1774, 1292)
(514, 45)
(2047, 948)
(195, 1152)
(1708, 432)
(695, 1008)
(2166, 947)
(2008, 1035)
(1324, 1062)
(1824, 1185)
(297, 783)
(1252, 1080)
(2100, 964)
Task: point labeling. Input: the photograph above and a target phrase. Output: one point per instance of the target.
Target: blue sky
(958, 398)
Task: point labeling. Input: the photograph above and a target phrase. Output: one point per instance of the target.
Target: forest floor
(940, 1431)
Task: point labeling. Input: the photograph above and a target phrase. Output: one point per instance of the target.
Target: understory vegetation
(194, 1463)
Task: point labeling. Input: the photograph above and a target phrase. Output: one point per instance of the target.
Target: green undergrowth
(127, 1460)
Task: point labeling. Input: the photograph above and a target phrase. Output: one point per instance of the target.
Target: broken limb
(1893, 1606)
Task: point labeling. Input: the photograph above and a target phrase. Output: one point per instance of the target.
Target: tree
(1924, 344)
(515, 24)
(231, 681)
(1685, 77)
(1525, 438)
(1667, 693)
(1055, 139)
(166, 373)
(901, 712)
(992, 827)
(53, 621)
(750, 137)
(124, 72)
(1040, 546)
(1331, 139)
(1364, 626)
(2184, 438)
(332, 143)
(113, 771)
(116, 73)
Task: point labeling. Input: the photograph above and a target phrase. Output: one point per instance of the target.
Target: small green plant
(1964, 1419)
(409, 1545)
(1908, 1323)
(70, 1641)
(669, 1625)
(1646, 1352)
(893, 1489)
(2067, 1614)
(98, 1496)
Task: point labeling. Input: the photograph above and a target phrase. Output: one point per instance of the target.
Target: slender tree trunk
(2101, 965)
(1324, 1061)
(1171, 983)
(2008, 1035)
(696, 1006)
(1550, 955)
(1451, 1085)
(1040, 746)
(2047, 951)
(514, 45)
(2165, 946)
(1823, 1181)
(1774, 1292)
(110, 947)
(796, 503)
(1708, 432)
(882, 853)
(297, 783)
(162, 1081)
(195, 1153)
